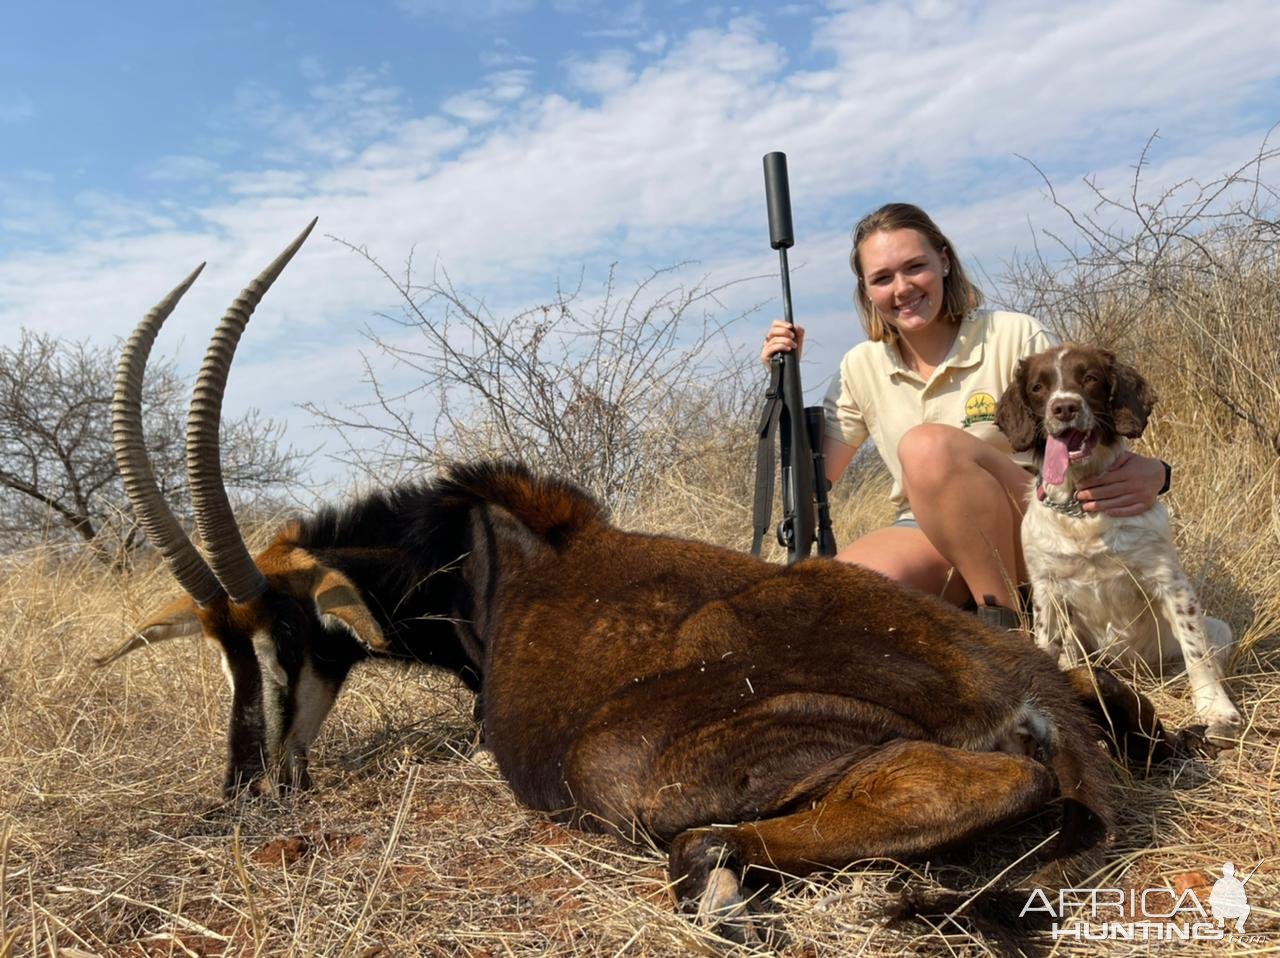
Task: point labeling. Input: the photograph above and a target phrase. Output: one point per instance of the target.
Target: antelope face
(287, 627)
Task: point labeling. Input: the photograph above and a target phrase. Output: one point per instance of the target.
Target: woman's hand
(782, 338)
(1128, 488)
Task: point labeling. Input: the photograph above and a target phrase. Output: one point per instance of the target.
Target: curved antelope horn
(228, 555)
(135, 468)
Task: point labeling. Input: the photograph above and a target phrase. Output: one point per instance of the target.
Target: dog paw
(1193, 742)
(1226, 728)
(1208, 741)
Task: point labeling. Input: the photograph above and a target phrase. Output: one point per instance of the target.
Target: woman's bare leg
(968, 498)
(905, 555)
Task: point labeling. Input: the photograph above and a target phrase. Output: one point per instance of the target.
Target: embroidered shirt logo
(980, 407)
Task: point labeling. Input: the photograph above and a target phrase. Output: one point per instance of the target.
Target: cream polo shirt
(876, 395)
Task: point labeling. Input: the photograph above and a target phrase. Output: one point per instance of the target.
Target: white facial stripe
(224, 662)
(1084, 420)
(264, 647)
(226, 671)
(274, 683)
(313, 698)
(1057, 392)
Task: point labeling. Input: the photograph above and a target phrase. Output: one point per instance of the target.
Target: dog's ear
(1131, 401)
(1014, 416)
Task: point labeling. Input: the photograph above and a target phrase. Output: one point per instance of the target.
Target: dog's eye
(1090, 379)
(1037, 389)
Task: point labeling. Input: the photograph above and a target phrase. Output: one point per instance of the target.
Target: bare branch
(1186, 275)
(602, 391)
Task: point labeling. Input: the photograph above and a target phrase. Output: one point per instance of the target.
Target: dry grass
(111, 841)
(410, 842)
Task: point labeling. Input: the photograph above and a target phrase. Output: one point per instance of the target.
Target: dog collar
(1072, 507)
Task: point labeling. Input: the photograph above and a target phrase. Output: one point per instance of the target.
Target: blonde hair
(959, 295)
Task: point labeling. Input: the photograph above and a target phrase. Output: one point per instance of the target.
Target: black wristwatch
(1168, 478)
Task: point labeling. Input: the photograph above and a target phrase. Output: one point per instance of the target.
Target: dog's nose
(1064, 410)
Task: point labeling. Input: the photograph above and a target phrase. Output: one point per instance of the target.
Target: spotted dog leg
(1222, 643)
(1182, 611)
(1051, 623)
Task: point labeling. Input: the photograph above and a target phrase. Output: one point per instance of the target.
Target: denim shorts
(905, 522)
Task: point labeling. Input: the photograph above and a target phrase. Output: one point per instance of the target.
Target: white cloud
(30, 208)
(269, 183)
(606, 73)
(584, 6)
(335, 121)
(506, 86)
(1008, 225)
(311, 68)
(1020, 76)
(473, 107)
(503, 54)
(666, 167)
(655, 44)
(486, 103)
(620, 19)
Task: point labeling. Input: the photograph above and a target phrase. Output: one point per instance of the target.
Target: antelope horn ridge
(228, 555)
(157, 519)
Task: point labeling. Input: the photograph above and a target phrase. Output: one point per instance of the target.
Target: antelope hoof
(296, 777)
(722, 910)
(236, 786)
(708, 886)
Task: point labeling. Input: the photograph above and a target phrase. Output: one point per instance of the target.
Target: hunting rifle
(804, 481)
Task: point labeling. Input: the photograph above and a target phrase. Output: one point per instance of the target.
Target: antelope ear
(510, 531)
(338, 602)
(172, 621)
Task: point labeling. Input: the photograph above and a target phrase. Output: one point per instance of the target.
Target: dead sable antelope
(757, 719)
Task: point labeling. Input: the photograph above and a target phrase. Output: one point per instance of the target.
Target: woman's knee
(928, 453)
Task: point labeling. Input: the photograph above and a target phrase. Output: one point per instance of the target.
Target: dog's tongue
(1056, 457)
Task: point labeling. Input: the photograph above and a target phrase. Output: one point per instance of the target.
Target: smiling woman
(923, 389)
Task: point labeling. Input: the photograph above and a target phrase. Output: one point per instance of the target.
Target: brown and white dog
(1107, 588)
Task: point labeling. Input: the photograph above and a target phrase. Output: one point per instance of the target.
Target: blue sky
(517, 142)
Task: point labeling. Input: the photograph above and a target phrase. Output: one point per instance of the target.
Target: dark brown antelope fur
(746, 713)
(632, 679)
(758, 719)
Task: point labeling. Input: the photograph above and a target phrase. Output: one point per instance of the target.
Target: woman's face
(902, 274)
